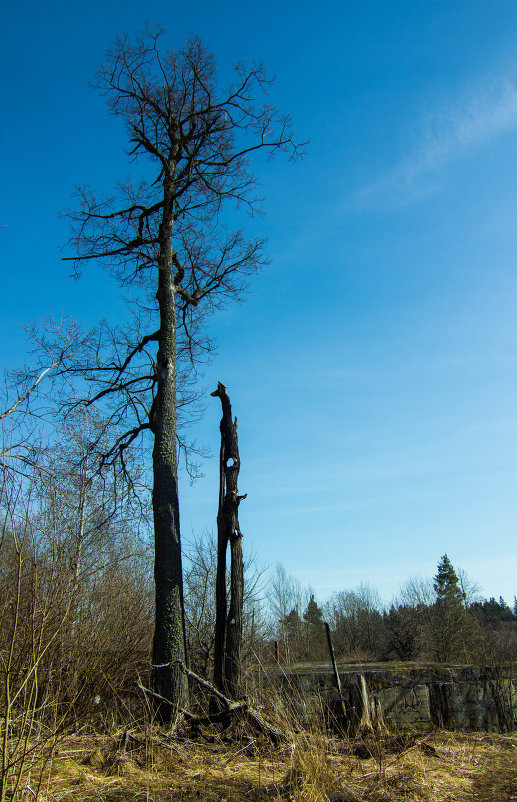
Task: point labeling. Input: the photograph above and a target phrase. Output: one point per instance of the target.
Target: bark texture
(169, 634)
(228, 626)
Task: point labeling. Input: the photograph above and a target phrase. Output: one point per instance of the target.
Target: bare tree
(416, 591)
(200, 576)
(288, 598)
(23, 402)
(470, 589)
(355, 616)
(163, 235)
(286, 593)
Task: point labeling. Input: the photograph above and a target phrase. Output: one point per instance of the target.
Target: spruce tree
(313, 614)
(446, 583)
(291, 624)
(314, 631)
(455, 633)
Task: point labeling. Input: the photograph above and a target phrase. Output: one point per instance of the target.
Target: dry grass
(441, 767)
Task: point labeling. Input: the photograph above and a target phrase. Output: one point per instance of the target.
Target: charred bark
(228, 626)
(169, 635)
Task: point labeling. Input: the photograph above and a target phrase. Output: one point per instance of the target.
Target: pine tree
(455, 632)
(313, 614)
(446, 582)
(505, 613)
(292, 624)
(314, 631)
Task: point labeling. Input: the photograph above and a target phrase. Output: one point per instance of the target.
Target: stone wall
(408, 696)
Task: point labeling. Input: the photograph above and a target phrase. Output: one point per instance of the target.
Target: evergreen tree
(505, 612)
(291, 624)
(491, 609)
(446, 582)
(455, 632)
(313, 614)
(314, 631)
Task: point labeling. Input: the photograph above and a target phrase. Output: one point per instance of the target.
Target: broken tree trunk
(336, 672)
(231, 709)
(228, 622)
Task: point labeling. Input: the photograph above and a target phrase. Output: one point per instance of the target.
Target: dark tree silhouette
(163, 235)
(228, 618)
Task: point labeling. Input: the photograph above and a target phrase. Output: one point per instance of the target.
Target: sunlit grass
(440, 767)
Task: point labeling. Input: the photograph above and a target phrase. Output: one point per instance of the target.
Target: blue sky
(373, 368)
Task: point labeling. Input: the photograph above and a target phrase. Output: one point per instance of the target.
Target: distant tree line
(77, 600)
(442, 620)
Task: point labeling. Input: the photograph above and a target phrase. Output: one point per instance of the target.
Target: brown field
(148, 766)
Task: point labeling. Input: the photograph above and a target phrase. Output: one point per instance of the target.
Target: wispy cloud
(472, 122)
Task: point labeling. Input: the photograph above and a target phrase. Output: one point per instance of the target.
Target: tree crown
(446, 583)
(165, 228)
(313, 614)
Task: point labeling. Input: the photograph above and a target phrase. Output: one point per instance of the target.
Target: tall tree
(455, 634)
(446, 582)
(313, 615)
(163, 235)
(314, 628)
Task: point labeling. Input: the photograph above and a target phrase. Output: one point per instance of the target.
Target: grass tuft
(438, 767)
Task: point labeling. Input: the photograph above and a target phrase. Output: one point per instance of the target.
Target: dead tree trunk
(228, 621)
(334, 669)
(232, 661)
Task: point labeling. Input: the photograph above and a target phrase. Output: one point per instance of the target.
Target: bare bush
(199, 581)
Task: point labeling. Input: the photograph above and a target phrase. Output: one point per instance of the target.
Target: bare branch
(27, 393)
